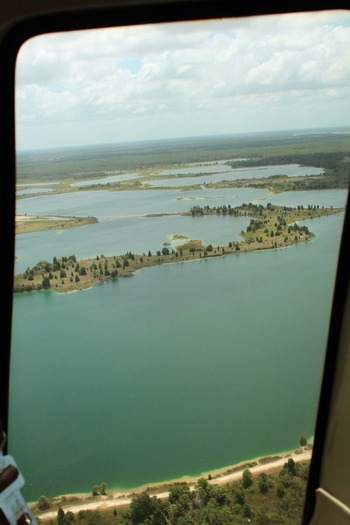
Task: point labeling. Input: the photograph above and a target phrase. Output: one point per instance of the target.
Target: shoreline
(273, 227)
(123, 497)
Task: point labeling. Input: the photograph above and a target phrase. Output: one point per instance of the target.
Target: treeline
(67, 268)
(249, 209)
(327, 160)
(244, 209)
(267, 498)
(335, 164)
(94, 161)
(45, 267)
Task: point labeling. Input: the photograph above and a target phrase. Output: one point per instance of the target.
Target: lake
(179, 370)
(123, 227)
(218, 172)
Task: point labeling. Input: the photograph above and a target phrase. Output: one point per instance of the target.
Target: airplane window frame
(81, 17)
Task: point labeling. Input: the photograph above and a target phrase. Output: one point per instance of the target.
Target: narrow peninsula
(36, 223)
(270, 227)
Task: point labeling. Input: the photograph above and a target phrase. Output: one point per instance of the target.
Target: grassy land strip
(35, 223)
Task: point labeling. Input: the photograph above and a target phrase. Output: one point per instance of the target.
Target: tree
(247, 479)
(263, 483)
(60, 516)
(141, 508)
(177, 492)
(204, 490)
(56, 264)
(99, 489)
(165, 251)
(69, 517)
(290, 466)
(239, 497)
(44, 503)
(96, 490)
(45, 282)
(303, 441)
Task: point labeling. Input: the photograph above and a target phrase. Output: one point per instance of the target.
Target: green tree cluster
(99, 489)
(276, 497)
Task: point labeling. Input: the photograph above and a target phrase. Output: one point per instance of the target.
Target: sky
(280, 72)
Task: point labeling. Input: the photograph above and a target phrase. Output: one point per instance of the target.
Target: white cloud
(219, 76)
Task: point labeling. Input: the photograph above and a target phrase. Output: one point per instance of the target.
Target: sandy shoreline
(123, 498)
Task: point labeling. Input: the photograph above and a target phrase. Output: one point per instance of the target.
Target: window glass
(209, 162)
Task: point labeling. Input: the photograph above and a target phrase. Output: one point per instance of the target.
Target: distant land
(65, 167)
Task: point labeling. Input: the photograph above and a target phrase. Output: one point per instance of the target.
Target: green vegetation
(270, 227)
(335, 163)
(99, 489)
(329, 151)
(275, 497)
(303, 441)
(44, 503)
(30, 224)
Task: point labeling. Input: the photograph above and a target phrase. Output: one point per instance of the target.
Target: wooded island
(270, 227)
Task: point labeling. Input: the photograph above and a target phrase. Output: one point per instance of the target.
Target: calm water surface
(122, 226)
(181, 369)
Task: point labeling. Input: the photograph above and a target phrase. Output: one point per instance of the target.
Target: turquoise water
(181, 369)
